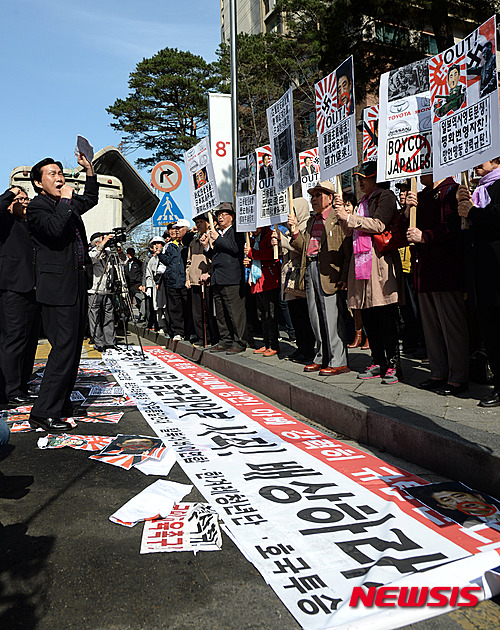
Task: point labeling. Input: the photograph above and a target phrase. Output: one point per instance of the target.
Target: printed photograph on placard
(282, 141)
(370, 133)
(245, 193)
(201, 178)
(335, 121)
(464, 101)
(309, 172)
(272, 207)
(404, 124)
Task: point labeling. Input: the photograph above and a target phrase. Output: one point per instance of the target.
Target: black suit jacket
(17, 252)
(227, 258)
(52, 225)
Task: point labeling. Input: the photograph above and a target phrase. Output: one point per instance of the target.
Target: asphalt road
(64, 565)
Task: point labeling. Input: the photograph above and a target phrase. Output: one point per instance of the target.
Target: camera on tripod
(119, 237)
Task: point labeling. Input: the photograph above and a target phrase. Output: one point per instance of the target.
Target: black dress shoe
(219, 348)
(432, 383)
(19, 401)
(235, 350)
(452, 390)
(493, 400)
(50, 424)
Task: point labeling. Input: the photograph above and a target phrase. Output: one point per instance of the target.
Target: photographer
(101, 317)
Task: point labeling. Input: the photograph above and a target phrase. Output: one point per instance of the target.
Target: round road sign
(166, 176)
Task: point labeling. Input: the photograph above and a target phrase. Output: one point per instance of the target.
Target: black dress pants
(19, 326)
(64, 327)
(381, 328)
(177, 302)
(267, 308)
(231, 315)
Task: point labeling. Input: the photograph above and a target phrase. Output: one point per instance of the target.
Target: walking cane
(204, 316)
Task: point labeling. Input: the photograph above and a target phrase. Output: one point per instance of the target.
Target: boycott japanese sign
(201, 178)
(282, 140)
(332, 529)
(246, 193)
(405, 138)
(272, 207)
(464, 101)
(335, 122)
(370, 133)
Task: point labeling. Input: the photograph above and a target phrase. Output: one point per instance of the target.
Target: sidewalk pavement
(449, 435)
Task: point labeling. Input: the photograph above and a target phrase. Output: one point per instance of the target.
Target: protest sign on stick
(464, 102)
(370, 133)
(246, 189)
(272, 207)
(201, 178)
(335, 121)
(282, 141)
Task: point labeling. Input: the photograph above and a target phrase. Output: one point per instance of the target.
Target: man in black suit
(19, 313)
(226, 253)
(266, 170)
(63, 271)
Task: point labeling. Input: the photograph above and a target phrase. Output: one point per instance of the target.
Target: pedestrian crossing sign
(167, 211)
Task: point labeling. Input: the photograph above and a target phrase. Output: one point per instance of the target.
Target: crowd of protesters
(323, 277)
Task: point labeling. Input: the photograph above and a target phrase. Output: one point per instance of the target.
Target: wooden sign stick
(413, 209)
(465, 182)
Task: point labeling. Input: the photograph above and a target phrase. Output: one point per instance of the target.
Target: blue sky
(63, 63)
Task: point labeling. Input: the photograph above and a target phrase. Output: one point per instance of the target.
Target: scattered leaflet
(80, 442)
(126, 451)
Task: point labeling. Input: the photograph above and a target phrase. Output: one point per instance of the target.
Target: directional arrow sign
(166, 176)
(167, 211)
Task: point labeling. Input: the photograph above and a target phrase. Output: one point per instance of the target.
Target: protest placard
(246, 192)
(272, 207)
(464, 102)
(201, 178)
(335, 124)
(282, 141)
(405, 139)
(370, 133)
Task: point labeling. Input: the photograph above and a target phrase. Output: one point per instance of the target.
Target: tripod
(114, 268)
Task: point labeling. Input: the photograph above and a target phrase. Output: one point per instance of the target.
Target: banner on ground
(201, 178)
(246, 193)
(405, 136)
(282, 141)
(335, 121)
(316, 517)
(370, 133)
(272, 207)
(464, 101)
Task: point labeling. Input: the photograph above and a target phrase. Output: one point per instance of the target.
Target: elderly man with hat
(326, 253)
(224, 246)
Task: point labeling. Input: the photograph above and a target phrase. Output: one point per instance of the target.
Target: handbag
(393, 237)
(292, 280)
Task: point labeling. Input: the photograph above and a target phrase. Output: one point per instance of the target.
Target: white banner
(464, 100)
(282, 141)
(405, 139)
(246, 193)
(219, 120)
(272, 207)
(201, 178)
(317, 518)
(335, 121)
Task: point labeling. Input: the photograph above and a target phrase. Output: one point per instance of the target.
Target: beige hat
(327, 187)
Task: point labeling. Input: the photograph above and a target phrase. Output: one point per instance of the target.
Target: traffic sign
(166, 176)
(167, 211)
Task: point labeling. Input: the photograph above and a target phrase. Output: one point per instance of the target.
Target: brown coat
(385, 283)
(197, 262)
(334, 253)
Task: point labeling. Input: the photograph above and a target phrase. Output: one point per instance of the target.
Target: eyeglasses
(22, 199)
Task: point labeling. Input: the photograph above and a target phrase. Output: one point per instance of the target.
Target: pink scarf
(480, 197)
(362, 245)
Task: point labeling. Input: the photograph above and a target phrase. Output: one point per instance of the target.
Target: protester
(265, 274)
(374, 283)
(101, 312)
(19, 312)
(482, 211)
(325, 261)
(292, 292)
(133, 277)
(224, 246)
(440, 282)
(198, 269)
(174, 279)
(62, 281)
(155, 287)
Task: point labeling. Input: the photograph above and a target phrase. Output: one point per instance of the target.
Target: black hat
(368, 169)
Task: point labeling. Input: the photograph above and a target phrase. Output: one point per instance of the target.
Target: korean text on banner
(335, 121)
(201, 178)
(370, 133)
(246, 193)
(405, 139)
(272, 207)
(282, 140)
(464, 101)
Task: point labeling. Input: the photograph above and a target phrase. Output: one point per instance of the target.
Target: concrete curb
(453, 450)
